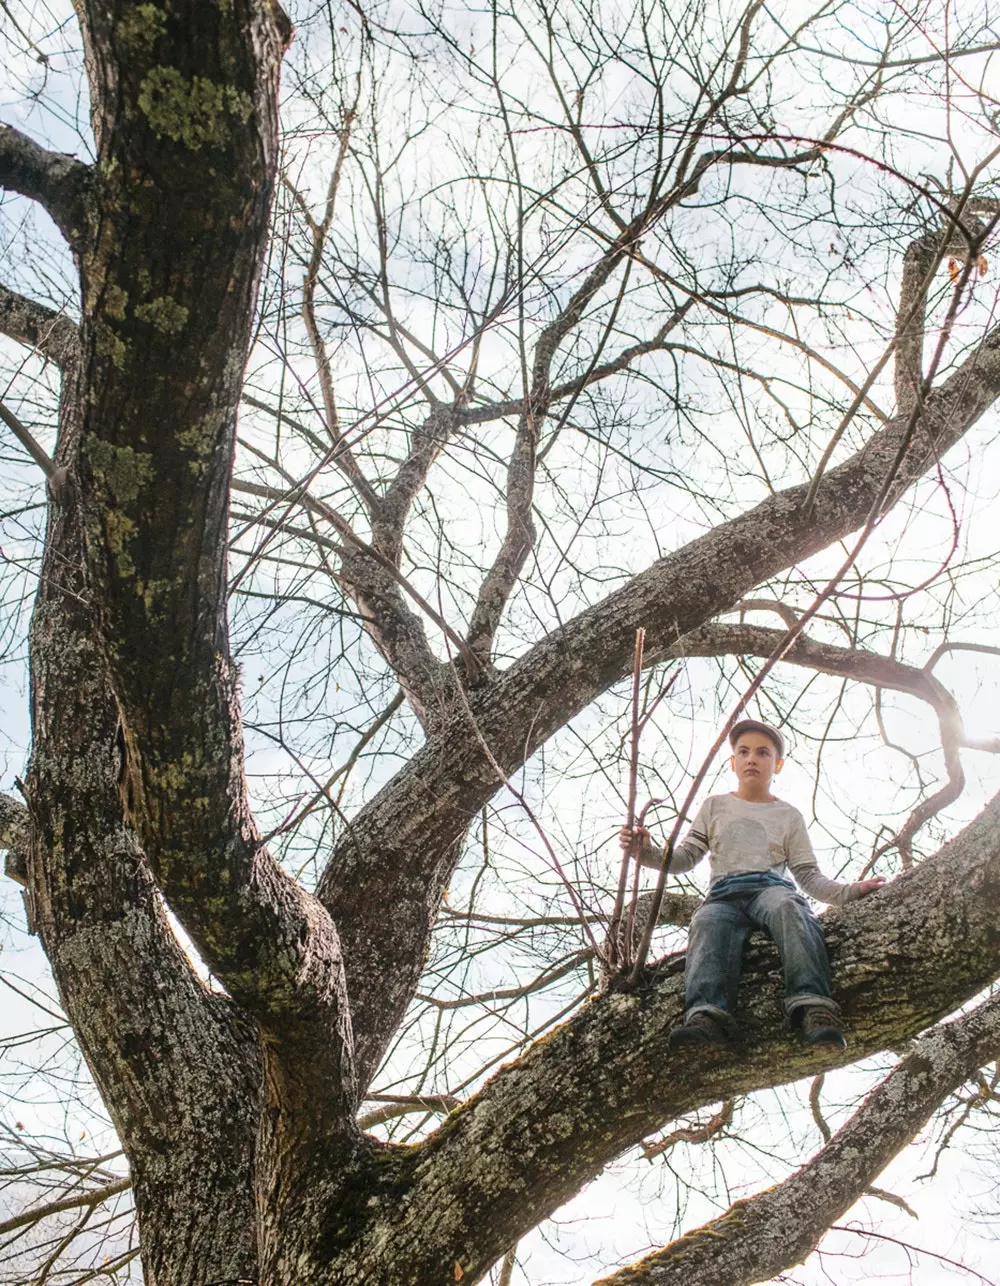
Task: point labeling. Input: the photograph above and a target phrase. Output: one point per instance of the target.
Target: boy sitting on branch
(755, 842)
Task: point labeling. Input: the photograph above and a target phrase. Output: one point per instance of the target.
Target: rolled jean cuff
(725, 1019)
(803, 1000)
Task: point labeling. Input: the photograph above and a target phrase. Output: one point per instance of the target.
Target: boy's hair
(755, 725)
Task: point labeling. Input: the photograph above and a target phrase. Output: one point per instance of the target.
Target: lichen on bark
(195, 112)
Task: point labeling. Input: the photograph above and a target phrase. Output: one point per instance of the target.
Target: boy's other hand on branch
(865, 887)
(633, 835)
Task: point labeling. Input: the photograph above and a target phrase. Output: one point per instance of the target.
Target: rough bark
(176, 1065)
(59, 183)
(237, 1112)
(49, 333)
(547, 1124)
(764, 1235)
(185, 119)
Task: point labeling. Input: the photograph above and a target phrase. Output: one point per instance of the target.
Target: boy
(754, 840)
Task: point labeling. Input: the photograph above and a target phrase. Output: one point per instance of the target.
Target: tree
(560, 261)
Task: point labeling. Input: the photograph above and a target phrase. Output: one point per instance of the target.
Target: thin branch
(702, 1133)
(299, 814)
(863, 667)
(569, 965)
(915, 1250)
(345, 457)
(298, 495)
(80, 1200)
(404, 1104)
(507, 1267)
(283, 417)
(27, 440)
(602, 371)
(620, 950)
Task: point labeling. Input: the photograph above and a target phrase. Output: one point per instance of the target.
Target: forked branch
(719, 639)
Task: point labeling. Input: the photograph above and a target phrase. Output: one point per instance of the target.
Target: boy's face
(755, 760)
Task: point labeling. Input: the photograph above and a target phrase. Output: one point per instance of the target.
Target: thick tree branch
(918, 261)
(764, 1235)
(15, 836)
(133, 599)
(722, 639)
(961, 238)
(58, 183)
(412, 829)
(166, 323)
(548, 1123)
(518, 541)
(49, 333)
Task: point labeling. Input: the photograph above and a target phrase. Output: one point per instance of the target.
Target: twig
(616, 950)
(403, 1104)
(507, 1268)
(80, 1199)
(871, 522)
(637, 869)
(693, 1133)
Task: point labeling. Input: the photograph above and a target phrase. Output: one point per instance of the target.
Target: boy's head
(758, 753)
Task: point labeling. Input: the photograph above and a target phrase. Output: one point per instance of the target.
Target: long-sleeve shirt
(742, 836)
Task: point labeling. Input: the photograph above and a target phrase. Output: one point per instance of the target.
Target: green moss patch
(139, 29)
(196, 113)
(164, 313)
(121, 471)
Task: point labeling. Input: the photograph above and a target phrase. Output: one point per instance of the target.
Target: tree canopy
(371, 375)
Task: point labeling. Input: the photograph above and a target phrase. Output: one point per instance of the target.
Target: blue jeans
(719, 932)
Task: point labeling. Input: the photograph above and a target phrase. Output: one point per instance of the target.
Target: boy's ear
(778, 766)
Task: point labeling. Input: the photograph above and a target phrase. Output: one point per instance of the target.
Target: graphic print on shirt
(747, 838)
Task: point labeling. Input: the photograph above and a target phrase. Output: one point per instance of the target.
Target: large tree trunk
(237, 1108)
(178, 1068)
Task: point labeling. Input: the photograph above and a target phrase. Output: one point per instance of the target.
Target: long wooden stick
(639, 821)
(619, 952)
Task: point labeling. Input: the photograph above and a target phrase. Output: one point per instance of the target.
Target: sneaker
(700, 1029)
(821, 1026)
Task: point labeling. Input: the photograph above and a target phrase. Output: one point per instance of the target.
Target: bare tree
(529, 327)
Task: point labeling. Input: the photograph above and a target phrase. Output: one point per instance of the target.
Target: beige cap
(755, 725)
